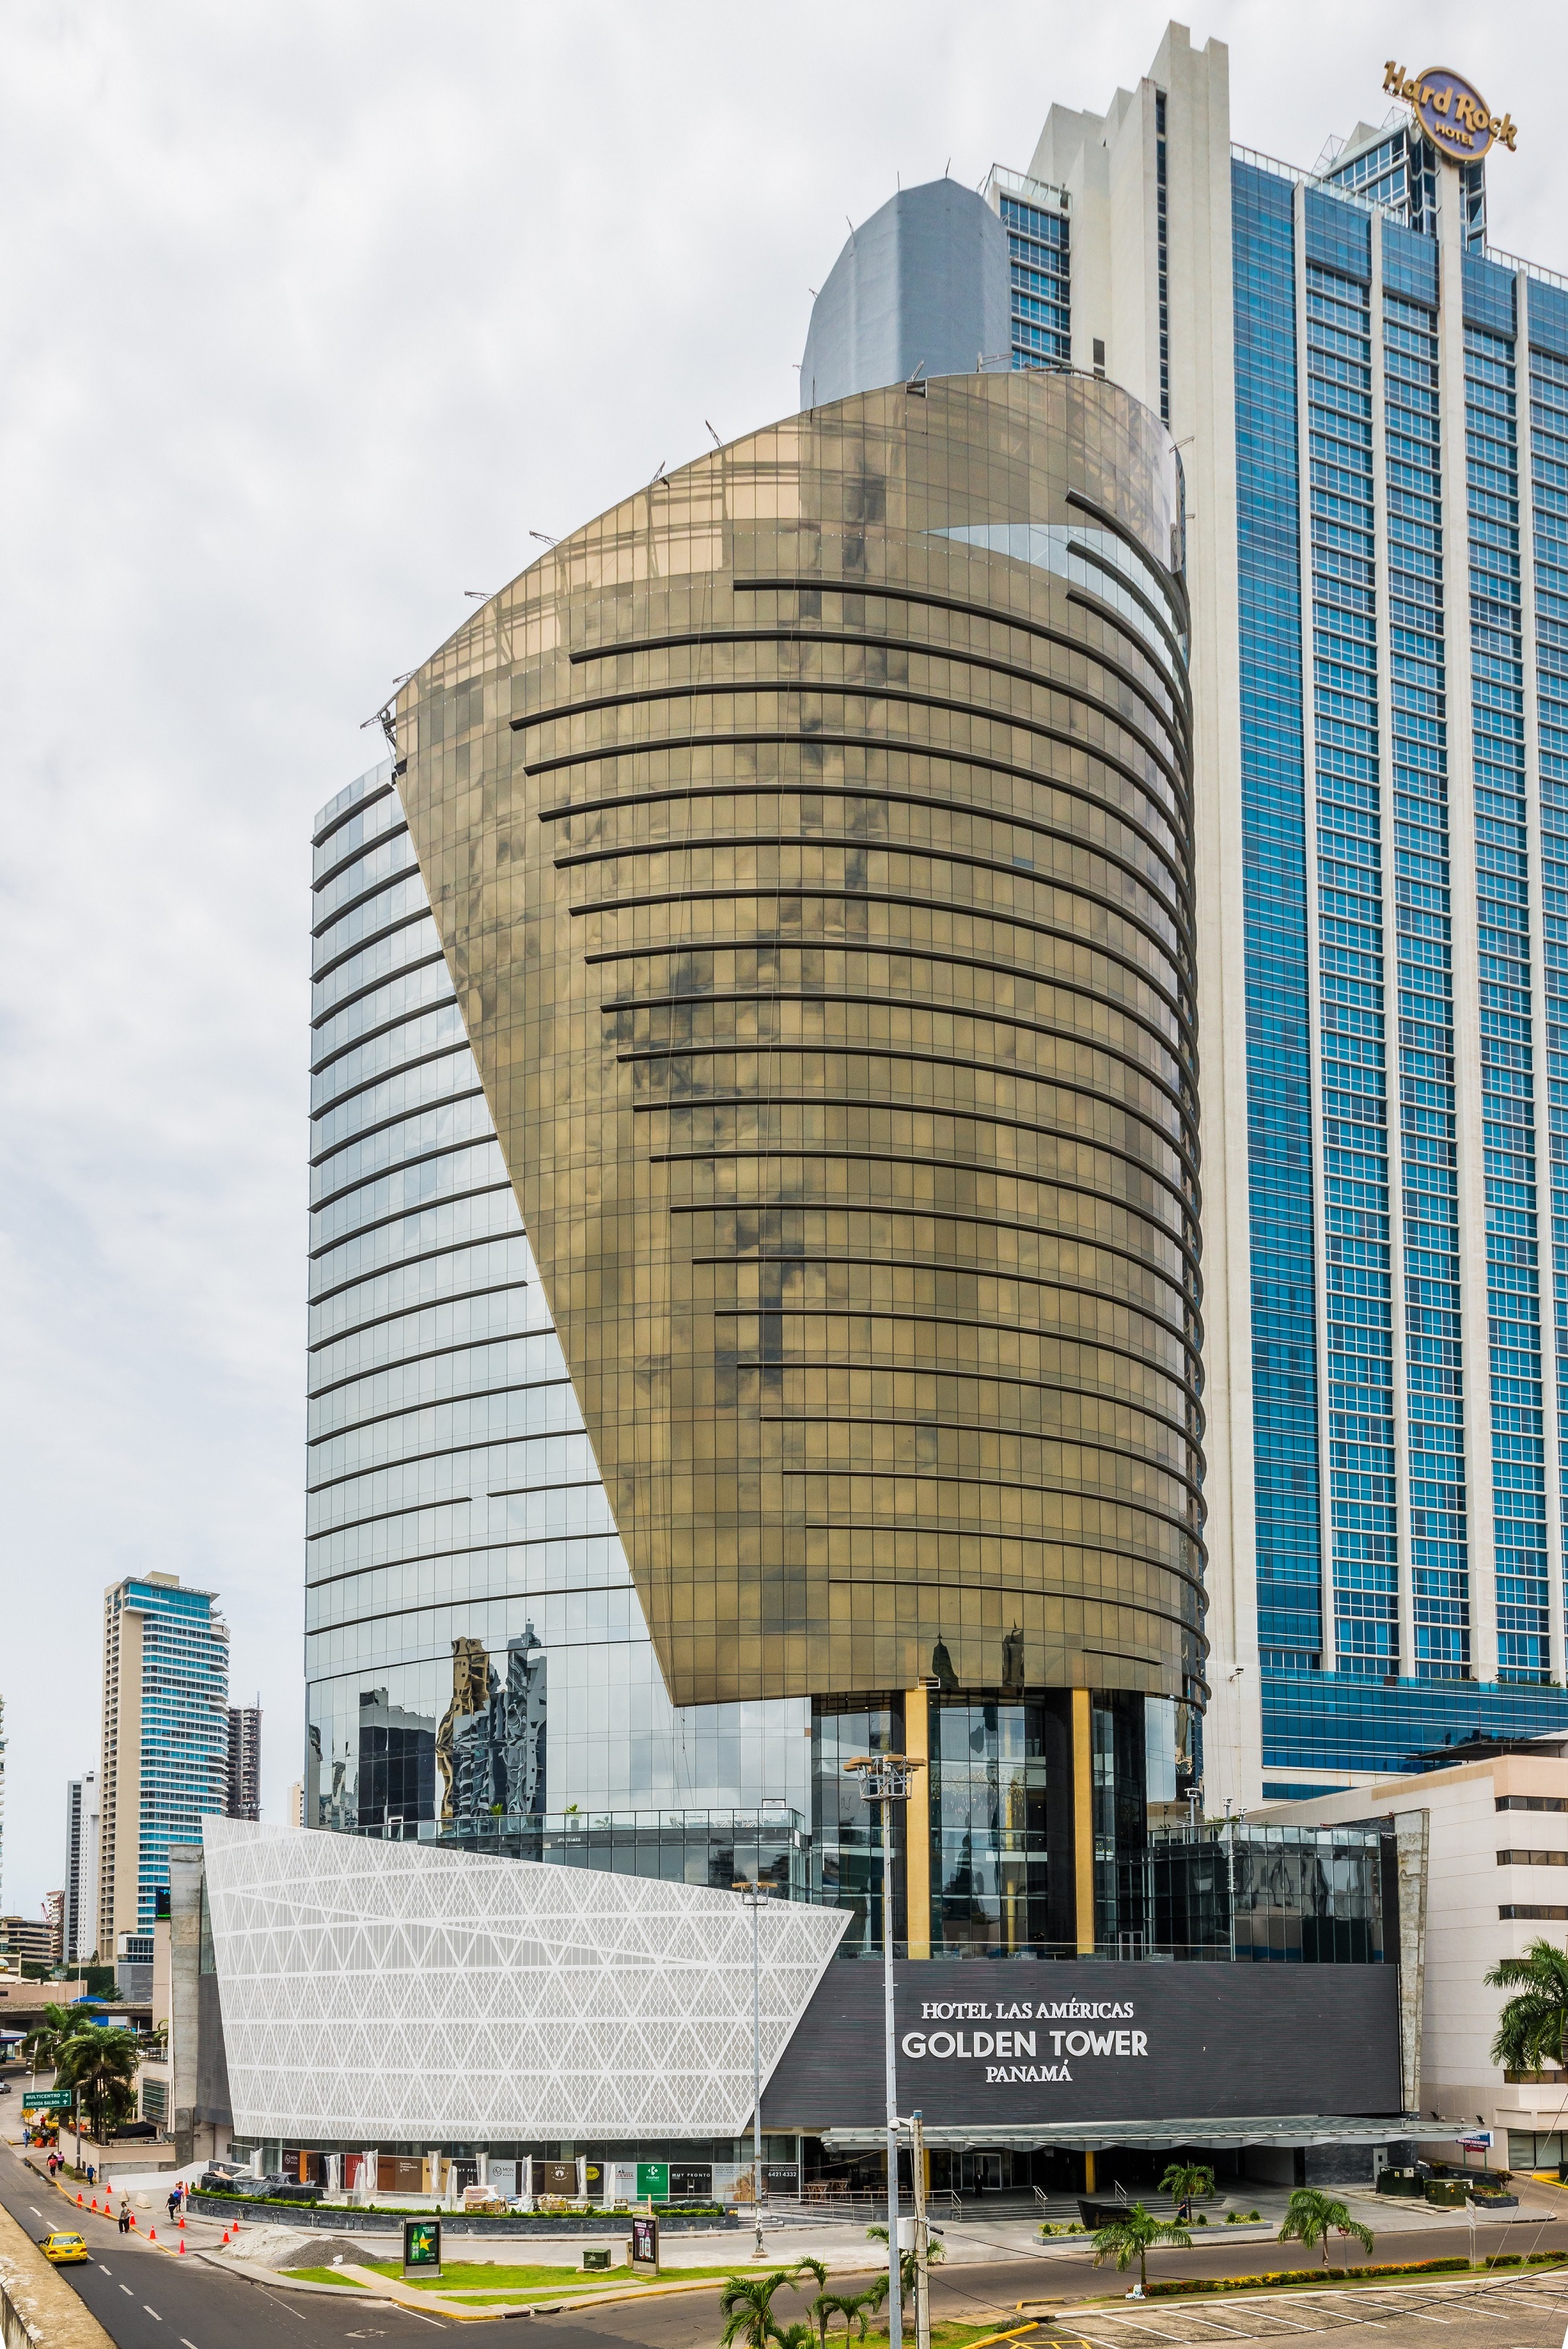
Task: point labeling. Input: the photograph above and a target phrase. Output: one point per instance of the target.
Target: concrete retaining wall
(39, 2310)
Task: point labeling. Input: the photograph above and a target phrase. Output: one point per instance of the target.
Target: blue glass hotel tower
(1372, 409)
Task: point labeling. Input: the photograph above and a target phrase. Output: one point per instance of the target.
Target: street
(147, 2299)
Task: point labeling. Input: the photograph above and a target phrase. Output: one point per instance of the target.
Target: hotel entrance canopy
(1225, 2135)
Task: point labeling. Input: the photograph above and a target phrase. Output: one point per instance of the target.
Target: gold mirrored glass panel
(811, 841)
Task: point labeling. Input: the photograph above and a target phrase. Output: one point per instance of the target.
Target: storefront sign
(652, 2181)
(1016, 2054)
(1455, 118)
(421, 2248)
(1076, 2041)
(555, 2178)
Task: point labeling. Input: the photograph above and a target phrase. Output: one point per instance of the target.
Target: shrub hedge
(1169, 2288)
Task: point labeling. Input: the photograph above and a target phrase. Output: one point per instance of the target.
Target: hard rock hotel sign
(1455, 118)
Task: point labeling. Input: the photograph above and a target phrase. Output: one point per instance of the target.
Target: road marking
(153, 2313)
(127, 2292)
(422, 2317)
(37, 2214)
(186, 2345)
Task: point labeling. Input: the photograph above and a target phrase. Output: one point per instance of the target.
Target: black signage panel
(644, 2257)
(1017, 2043)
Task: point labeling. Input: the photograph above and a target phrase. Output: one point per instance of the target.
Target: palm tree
(1312, 2218)
(856, 2308)
(746, 2304)
(798, 2336)
(99, 2062)
(1132, 2234)
(807, 2265)
(909, 2261)
(1532, 2024)
(1187, 2182)
(42, 2043)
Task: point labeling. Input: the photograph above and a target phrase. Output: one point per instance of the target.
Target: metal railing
(1042, 194)
(1300, 179)
(829, 2199)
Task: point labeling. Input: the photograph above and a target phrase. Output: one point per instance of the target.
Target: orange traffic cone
(182, 2246)
(95, 2202)
(181, 2215)
(152, 2234)
(79, 2201)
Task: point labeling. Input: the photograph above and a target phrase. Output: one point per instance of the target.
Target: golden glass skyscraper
(809, 838)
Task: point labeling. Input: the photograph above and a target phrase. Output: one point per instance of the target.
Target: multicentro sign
(1455, 118)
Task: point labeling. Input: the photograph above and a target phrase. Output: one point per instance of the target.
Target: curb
(149, 2241)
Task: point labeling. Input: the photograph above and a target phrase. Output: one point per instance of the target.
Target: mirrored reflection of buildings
(478, 1665)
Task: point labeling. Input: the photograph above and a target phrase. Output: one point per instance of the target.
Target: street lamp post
(754, 1896)
(886, 1779)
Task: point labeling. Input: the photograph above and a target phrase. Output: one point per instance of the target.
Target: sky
(308, 315)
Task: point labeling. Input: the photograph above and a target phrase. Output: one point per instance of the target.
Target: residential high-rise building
(1372, 411)
(296, 1803)
(780, 905)
(29, 1940)
(245, 1760)
(165, 1756)
(79, 1917)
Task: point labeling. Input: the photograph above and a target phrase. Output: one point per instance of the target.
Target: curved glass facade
(811, 840)
(473, 1641)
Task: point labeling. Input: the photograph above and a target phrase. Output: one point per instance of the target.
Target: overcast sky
(309, 313)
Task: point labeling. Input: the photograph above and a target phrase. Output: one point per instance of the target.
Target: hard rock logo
(1455, 118)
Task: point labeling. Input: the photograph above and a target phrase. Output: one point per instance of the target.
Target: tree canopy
(1531, 2026)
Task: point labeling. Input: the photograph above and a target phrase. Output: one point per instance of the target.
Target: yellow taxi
(63, 2249)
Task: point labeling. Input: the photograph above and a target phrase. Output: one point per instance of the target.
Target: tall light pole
(886, 1779)
(754, 1895)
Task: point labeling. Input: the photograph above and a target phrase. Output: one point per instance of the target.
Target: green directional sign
(47, 2100)
(653, 2180)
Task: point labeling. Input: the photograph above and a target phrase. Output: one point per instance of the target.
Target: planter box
(337, 2216)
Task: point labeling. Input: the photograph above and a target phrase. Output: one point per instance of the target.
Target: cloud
(310, 315)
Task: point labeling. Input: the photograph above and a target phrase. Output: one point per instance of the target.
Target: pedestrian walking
(125, 2217)
(174, 2204)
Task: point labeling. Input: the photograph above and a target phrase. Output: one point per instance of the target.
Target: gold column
(1088, 2173)
(917, 1815)
(1083, 1823)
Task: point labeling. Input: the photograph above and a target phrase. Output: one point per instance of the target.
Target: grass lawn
(325, 2275)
